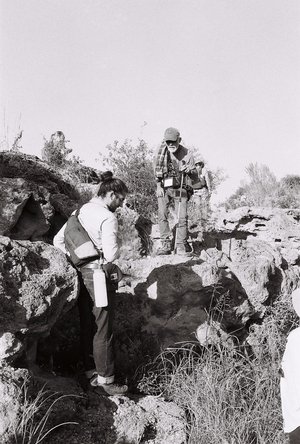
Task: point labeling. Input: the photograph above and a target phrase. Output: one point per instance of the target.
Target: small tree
(289, 192)
(55, 150)
(134, 165)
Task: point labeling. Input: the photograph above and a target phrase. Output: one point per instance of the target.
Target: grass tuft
(32, 425)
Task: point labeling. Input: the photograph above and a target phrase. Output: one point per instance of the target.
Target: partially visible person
(202, 186)
(290, 380)
(96, 323)
(173, 166)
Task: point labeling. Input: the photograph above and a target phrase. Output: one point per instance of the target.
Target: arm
(109, 231)
(188, 164)
(208, 180)
(59, 240)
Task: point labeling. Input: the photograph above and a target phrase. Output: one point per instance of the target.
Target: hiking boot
(164, 249)
(107, 389)
(180, 250)
(111, 389)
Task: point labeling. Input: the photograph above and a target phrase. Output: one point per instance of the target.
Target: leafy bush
(289, 192)
(134, 165)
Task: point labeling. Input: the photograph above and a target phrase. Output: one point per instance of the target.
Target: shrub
(55, 151)
(134, 165)
(289, 192)
(263, 189)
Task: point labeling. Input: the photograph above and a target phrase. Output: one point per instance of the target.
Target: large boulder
(26, 212)
(278, 227)
(150, 419)
(31, 168)
(36, 285)
(35, 198)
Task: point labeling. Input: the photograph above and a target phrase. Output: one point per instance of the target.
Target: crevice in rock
(274, 285)
(149, 434)
(31, 223)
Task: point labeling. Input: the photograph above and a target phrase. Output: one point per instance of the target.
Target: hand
(159, 190)
(183, 167)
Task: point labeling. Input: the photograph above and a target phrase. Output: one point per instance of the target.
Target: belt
(94, 265)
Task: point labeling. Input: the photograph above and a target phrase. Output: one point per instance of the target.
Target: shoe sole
(102, 392)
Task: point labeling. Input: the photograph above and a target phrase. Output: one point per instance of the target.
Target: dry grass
(230, 395)
(32, 425)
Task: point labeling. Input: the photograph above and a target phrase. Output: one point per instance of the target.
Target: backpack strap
(100, 252)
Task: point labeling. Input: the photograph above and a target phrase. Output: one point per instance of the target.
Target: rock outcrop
(150, 420)
(37, 284)
(35, 199)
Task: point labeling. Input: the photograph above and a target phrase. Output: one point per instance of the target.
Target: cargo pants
(167, 198)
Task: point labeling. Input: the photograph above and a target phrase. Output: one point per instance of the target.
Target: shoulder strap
(99, 250)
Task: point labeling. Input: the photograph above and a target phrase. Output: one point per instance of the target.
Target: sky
(224, 72)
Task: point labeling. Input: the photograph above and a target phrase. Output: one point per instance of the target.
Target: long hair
(109, 183)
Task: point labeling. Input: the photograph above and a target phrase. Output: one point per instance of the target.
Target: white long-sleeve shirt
(290, 382)
(101, 225)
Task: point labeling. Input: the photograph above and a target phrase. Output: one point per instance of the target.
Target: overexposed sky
(225, 72)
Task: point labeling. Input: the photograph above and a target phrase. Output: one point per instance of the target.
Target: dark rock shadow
(147, 326)
(31, 223)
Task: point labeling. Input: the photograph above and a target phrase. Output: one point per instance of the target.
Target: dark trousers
(294, 436)
(96, 333)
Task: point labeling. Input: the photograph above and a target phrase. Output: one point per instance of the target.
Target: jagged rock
(151, 420)
(10, 348)
(11, 381)
(212, 334)
(278, 227)
(258, 266)
(26, 211)
(35, 199)
(36, 284)
(264, 246)
(33, 169)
